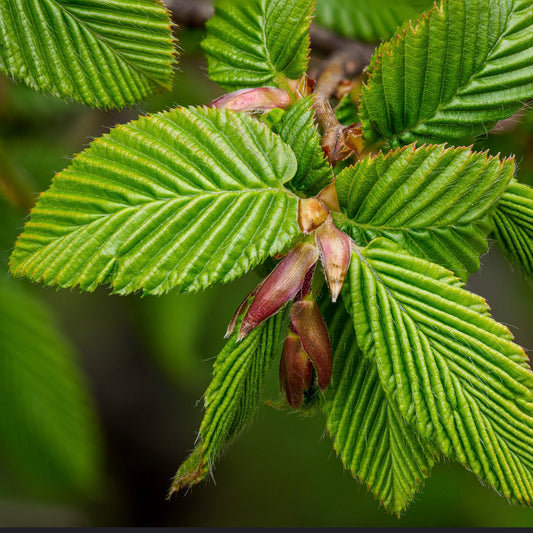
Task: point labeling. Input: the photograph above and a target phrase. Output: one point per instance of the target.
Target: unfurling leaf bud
(256, 100)
(280, 286)
(308, 324)
(295, 370)
(335, 251)
(311, 214)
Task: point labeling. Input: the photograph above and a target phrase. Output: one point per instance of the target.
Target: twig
(344, 64)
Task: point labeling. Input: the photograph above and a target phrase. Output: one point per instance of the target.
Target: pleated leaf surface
(367, 20)
(232, 397)
(298, 129)
(464, 66)
(252, 43)
(453, 371)
(183, 199)
(103, 53)
(513, 225)
(371, 437)
(431, 200)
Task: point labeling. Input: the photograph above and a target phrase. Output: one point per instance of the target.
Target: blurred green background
(134, 370)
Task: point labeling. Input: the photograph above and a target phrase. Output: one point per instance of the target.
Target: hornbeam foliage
(191, 197)
(465, 65)
(181, 199)
(251, 43)
(232, 397)
(103, 53)
(369, 433)
(513, 225)
(453, 372)
(432, 201)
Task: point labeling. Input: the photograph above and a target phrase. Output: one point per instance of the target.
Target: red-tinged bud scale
(328, 195)
(335, 251)
(256, 100)
(308, 324)
(280, 286)
(295, 370)
(311, 214)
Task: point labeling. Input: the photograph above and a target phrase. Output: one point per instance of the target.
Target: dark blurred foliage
(148, 361)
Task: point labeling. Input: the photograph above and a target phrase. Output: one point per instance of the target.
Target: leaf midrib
(344, 220)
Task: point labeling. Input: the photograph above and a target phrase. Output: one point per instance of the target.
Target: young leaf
(253, 43)
(184, 199)
(48, 429)
(369, 434)
(298, 129)
(367, 20)
(464, 66)
(103, 53)
(430, 200)
(231, 398)
(513, 225)
(453, 371)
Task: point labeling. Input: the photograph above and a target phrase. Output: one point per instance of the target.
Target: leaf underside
(513, 225)
(48, 429)
(367, 20)
(463, 67)
(431, 200)
(251, 43)
(453, 371)
(298, 129)
(183, 199)
(103, 53)
(369, 433)
(231, 398)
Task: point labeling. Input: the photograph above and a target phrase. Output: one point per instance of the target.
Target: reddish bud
(328, 195)
(295, 370)
(311, 214)
(335, 251)
(253, 100)
(280, 286)
(308, 323)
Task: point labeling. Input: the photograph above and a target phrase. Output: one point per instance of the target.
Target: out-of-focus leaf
(367, 20)
(48, 428)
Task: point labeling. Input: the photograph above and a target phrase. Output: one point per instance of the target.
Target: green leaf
(184, 199)
(253, 43)
(103, 53)
(367, 20)
(513, 225)
(369, 434)
(48, 430)
(459, 70)
(431, 200)
(232, 397)
(298, 129)
(453, 371)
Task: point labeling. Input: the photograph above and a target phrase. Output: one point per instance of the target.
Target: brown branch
(344, 64)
